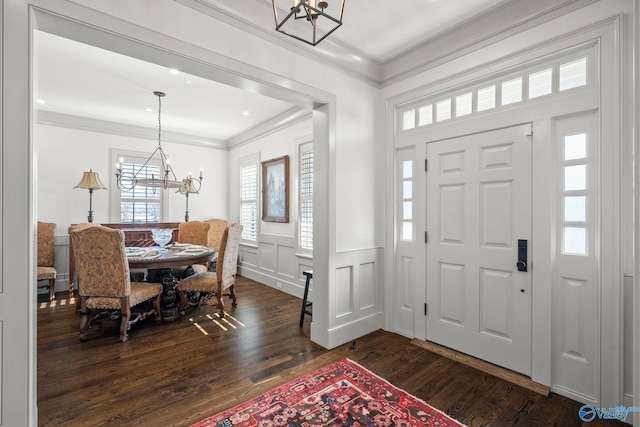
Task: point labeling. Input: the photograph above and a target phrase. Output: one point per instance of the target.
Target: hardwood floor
(175, 374)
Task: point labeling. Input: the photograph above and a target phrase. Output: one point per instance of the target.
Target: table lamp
(91, 181)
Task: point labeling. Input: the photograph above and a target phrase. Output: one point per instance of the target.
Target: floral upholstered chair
(72, 261)
(215, 236)
(103, 279)
(195, 233)
(207, 284)
(46, 257)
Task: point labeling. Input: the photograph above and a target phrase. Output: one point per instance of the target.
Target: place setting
(142, 253)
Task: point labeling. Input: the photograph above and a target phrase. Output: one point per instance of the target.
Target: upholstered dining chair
(46, 257)
(215, 236)
(72, 261)
(195, 233)
(104, 282)
(207, 284)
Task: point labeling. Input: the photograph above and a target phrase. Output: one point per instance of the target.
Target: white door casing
(479, 205)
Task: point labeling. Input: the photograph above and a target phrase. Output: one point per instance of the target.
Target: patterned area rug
(341, 394)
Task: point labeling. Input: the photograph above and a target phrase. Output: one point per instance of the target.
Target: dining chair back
(47, 257)
(215, 237)
(215, 232)
(194, 232)
(228, 254)
(207, 284)
(72, 259)
(103, 279)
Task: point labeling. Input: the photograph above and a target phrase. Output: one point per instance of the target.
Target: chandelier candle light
(127, 180)
(91, 181)
(307, 14)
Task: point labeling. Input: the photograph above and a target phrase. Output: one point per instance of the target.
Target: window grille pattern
(140, 204)
(249, 201)
(502, 92)
(574, 194)
(306, 196)
(406, 209)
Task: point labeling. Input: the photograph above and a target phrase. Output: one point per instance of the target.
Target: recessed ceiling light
(148, 110)
(40, 101)
(174, 71)
(245, 113)
(188, 82)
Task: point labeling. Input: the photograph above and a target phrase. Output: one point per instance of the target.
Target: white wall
(274, 258)
(62, 154)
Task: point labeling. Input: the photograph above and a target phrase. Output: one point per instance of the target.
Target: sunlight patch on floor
(200, 328)
(57, 302)
(222, 323)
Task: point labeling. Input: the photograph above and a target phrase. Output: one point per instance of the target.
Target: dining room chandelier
(128, 178)
(308, 20)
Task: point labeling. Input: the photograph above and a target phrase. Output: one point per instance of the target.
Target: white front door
(478, 208)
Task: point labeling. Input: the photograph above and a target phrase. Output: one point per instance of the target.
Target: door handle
(521, 265)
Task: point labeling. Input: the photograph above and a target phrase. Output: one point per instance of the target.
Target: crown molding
(495, 24)
(332, 52)
(49, 118)
(283, 120)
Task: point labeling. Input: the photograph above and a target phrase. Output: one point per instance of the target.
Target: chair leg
(156, 306)
(220, 299)
(232, 294)
(305, 304)
(84, 318)
(125, 310)
(52, 289)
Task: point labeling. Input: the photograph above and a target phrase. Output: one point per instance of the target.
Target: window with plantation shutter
(306, 197)
(249, 198)
(140, 204)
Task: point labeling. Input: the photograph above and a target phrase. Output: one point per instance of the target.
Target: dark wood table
(172, 257)
(161, 267)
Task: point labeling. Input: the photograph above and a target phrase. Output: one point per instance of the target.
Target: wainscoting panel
(357, 276)
(343, 300)
(275, 263)
(285, 266)
(249, 256)
(404, 295)
(366, 286)
(267, 256)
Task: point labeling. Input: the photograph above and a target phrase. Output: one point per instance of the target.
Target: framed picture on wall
(275, 190)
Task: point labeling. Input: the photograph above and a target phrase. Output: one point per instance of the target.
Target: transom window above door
(531, 83)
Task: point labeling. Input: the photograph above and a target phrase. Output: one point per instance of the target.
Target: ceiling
(80, 80)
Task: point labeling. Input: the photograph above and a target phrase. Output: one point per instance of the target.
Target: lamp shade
(187, 187)
(91, 181)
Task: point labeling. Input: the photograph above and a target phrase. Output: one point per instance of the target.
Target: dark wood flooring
(175, 374)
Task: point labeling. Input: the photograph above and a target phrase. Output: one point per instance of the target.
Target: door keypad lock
(521, 265)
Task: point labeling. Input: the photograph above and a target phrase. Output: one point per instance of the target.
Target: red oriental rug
(341, 394)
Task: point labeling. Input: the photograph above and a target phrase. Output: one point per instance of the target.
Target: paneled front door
(478, 209)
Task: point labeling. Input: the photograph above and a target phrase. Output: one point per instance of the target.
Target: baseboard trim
(486, 367)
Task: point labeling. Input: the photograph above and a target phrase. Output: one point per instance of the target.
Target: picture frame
(275, 190)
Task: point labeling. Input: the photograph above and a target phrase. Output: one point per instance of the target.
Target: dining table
(160, 262)
(174, 255)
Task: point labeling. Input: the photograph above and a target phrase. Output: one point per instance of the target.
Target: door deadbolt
(521, 265)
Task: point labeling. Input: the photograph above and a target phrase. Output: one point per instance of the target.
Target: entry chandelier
(301, 22)
(128, 179)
